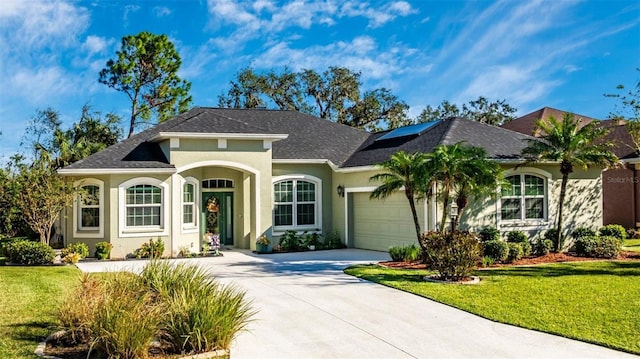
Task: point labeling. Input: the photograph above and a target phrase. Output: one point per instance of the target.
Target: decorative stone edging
(474, 280)
(43, 345)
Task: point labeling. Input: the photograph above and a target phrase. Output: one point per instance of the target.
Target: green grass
(597, 302)
(29, 299)
(631, 245)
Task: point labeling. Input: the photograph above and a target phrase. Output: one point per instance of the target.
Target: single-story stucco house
(243, 173)
(621, 185)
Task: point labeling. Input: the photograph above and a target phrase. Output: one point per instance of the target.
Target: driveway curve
(308, 308)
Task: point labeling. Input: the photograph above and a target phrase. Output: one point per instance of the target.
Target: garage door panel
(380, 224)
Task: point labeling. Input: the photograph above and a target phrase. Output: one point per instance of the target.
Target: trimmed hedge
(497, 250)
(581, 232)
(542, 246)
(29, 253)
(614, 230)
(598, 247)
(489, 233)
(515, 251)
(521, 238)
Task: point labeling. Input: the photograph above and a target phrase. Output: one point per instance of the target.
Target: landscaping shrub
(614, 230)
(333, 241)
(516, 237)
(542, 246)
(404, 253)
(515, 251)
(312, 239)
(487, 261)
(581, 232)
(71, 258)
(598, 247)
(5, 241)
(453, 255)
(80, 248)
(489, 233)
(552, 235)
(150, 250)
(496, 249)
(290, 241)
(103, 250)
(29, 253)
(521, 238)
(631, 234)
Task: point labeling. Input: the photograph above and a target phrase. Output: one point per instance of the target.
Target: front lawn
(29, 299)
(597, 302)
(632, 245)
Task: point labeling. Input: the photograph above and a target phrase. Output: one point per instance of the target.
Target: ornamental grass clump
(120, 315)
(453, 255)
(408, 253)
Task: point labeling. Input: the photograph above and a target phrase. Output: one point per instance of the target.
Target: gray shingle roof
(500, 144)
(309, 137)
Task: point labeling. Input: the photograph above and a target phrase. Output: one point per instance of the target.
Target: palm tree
(566, 142)
(406, 171)
(463, 171)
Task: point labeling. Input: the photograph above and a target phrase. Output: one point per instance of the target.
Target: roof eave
(213, 136)
(106, 171)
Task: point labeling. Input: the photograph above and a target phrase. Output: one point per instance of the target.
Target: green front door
(217, 217)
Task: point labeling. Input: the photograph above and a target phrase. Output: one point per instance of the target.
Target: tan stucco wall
(241, 159)
(582, 206)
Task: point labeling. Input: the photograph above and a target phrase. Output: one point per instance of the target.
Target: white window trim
(88, 232)
(537, 223)
(317, 227)
(162, 229)
(193, 226)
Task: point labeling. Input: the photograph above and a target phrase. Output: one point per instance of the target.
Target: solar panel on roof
(411, 130)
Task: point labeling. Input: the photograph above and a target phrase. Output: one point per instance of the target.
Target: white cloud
(160, 11)
(377, 16)
(40, 85)
(264, 18)
(40, 24)
(361, 54)
(96, 44)
(128, 9)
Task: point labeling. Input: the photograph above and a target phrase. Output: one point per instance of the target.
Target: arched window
(88, 209)
(524, 198)
(297, 203)
(142, 207)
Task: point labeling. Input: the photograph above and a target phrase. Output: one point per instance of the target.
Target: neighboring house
(620, 186)
(239, 174)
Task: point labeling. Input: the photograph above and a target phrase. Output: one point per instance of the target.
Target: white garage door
(380, 224)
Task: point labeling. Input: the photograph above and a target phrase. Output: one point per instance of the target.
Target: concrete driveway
(309, 309)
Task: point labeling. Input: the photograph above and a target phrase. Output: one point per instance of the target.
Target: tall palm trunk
(414, 213)
(565, 168)
(462, 201)
(445, 209)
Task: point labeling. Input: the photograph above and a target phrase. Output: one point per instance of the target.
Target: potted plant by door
(262, 244)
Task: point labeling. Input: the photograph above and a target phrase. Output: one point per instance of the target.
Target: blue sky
(562, 54)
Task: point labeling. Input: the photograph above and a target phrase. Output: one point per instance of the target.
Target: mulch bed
(549, 258)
